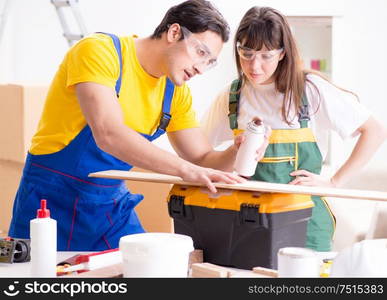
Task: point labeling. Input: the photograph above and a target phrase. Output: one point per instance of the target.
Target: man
(109, 99)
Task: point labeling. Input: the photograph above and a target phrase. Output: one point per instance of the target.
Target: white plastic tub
(298, 262)
(155, 254)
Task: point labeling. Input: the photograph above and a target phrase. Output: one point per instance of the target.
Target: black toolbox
(240, 229)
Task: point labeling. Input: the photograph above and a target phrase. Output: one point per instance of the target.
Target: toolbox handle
(177, 209)
(249, 215)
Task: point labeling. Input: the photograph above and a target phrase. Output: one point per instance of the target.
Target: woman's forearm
(372, 135)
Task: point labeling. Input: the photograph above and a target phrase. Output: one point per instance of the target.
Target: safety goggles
(198, 51)
(264, 56)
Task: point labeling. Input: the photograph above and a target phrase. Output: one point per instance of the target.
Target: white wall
(33, 45)
(359, 42)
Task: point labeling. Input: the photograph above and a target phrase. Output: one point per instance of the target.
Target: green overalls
(290, 150)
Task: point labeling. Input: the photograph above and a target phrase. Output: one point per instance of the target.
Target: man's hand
(307, 178)
(193, 173)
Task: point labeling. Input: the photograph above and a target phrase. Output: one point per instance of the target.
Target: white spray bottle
(245, 162)
(43, 243)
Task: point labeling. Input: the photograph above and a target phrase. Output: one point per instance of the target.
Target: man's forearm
(221, 160)
(129, 146)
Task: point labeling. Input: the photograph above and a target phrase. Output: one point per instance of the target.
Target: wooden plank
(257, 186)
(195, 256)
(265, 271)
(207, 270)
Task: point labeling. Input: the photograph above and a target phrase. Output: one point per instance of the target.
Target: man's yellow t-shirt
(94, 59)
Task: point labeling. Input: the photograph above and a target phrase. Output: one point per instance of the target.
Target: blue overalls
(91, 213)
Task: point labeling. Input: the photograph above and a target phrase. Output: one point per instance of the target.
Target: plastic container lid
(296, 252)
(153, 243)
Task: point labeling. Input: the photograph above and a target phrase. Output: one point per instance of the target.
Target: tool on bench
(92, 261)
(14, 250)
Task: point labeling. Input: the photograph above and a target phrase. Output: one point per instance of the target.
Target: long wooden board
(258, 186)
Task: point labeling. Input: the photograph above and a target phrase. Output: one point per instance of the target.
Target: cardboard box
(10, 173)
(19, 117)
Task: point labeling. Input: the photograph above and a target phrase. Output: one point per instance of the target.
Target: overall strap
(233, 103)
(303, 116)
(168, 93)
(117, 45)
(167, 101)
(166, 114)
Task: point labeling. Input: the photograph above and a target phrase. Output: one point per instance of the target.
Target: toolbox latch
(249, 214)
(177, 209)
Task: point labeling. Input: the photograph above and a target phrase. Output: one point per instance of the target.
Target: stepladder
(71, 20)
(4, 8)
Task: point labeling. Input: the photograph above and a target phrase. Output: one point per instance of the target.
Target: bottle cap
(256, 126)
(43, 212)
(257, 121)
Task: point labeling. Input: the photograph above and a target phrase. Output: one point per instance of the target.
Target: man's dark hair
(196, 15)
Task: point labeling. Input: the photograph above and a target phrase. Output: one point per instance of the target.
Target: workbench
(22, 270)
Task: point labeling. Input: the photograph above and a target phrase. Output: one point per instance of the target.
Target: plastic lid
(155, 242)
(43, 212)
(297, 252)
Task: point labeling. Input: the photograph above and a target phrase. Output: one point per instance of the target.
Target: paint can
(298, 262)
(155, 254)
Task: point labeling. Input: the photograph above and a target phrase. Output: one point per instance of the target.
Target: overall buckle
(304, 113)
(164, 121)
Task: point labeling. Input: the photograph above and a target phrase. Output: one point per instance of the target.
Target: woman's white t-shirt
(334, 109)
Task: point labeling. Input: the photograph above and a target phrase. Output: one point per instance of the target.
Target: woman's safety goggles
(264, 56)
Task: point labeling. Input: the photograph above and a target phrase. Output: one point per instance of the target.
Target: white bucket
(155, 254)
(298, 262)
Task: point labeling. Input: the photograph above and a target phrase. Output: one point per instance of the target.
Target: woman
(300, 106)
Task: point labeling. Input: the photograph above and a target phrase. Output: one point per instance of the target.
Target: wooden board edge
(260, 186)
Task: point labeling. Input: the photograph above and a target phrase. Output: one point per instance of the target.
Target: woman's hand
(304, 177)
